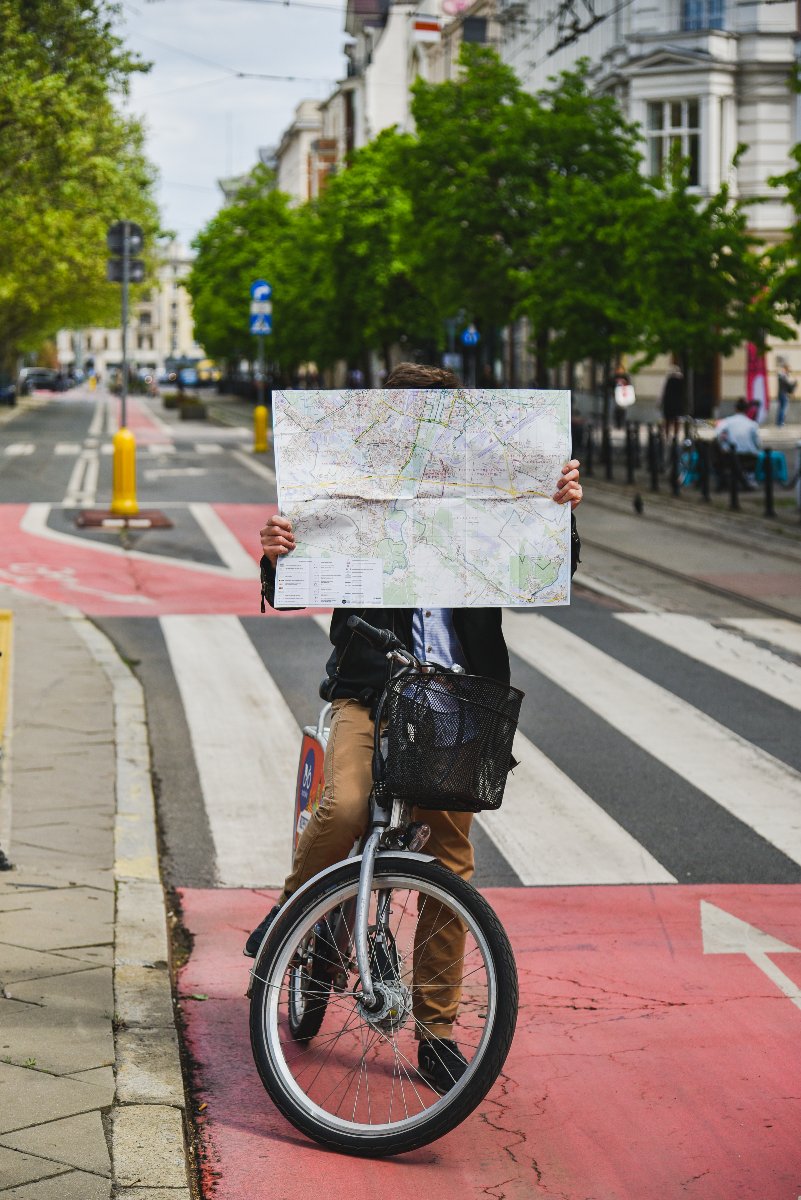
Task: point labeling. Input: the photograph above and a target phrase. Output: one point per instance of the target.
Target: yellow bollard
(123, 490)
(260, 429)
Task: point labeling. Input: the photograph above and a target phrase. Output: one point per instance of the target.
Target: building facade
(703, 76)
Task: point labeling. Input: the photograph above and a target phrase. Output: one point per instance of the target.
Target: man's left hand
(568, 489)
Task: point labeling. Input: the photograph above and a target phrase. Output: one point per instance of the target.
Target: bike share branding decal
(310, 783)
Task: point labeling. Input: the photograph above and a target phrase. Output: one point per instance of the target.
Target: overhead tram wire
(312, 4)
(231, 72)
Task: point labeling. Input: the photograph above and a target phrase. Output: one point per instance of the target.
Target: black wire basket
(450, 740)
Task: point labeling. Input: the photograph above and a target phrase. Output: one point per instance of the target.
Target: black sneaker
(441, 1063)
(257, 936)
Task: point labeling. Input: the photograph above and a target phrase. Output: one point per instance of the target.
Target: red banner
(756, 383)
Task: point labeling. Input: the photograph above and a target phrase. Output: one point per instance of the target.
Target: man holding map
(424, 509)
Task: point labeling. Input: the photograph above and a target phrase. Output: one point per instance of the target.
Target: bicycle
(347, 966)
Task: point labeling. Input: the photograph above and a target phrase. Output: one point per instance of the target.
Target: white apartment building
(293, 157)
(705, 76)
(160, 326)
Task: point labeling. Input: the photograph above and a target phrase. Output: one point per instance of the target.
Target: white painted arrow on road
(724, 934)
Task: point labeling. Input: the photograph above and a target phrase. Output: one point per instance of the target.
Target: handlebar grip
(381, 639)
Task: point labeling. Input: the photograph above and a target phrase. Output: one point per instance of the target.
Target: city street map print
(423, 498)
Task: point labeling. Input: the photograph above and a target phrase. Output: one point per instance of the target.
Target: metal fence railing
(693, 464)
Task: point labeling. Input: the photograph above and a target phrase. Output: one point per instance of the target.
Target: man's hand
(568, 489)
(277, 537)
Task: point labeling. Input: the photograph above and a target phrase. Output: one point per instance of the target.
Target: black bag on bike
(450, 740)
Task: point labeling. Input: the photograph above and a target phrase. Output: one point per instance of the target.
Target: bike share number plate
(310, 783)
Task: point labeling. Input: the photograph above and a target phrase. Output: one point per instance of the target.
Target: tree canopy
(70, 164)
(501, 205)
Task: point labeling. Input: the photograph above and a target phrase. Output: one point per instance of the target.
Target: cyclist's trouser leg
(440, 936)
(341, 817)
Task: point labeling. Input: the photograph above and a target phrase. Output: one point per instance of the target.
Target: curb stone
(149, 1148)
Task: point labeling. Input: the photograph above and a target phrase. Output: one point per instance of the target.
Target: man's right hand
(277, 538)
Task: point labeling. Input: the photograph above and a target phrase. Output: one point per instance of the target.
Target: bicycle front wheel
(442, 964)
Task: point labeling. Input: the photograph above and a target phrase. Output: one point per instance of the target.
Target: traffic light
(119, 233)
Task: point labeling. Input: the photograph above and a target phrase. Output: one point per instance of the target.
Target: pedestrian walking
(622, 393)
(786, 387)
(673, 401)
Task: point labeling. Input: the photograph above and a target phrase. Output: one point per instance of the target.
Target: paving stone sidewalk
(91, 1095)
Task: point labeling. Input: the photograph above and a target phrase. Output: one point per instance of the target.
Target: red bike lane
(105, 580)
(656, 1056)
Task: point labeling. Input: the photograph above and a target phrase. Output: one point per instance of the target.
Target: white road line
(107, 448)
(551, 832)
(231, 551)
(82, 484)
(19, 449)
(159, 422)
(99, 418)
(749, 783)
(208, 448)
(724, 651)
(252, 464)
(67, 448)
(35, 518)
(784, 634)
(245, 742)
(161, 448)
(151, 473)
(628, 599)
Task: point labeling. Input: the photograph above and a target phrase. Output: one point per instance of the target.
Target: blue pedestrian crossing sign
(470, 336)
(261, 308)
(261, 323)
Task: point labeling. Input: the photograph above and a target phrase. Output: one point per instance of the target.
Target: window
(673, 128)
(703, 14)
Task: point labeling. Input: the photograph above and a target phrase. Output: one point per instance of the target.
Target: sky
(202, 122)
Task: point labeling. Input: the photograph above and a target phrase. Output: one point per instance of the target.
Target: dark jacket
(355, 669)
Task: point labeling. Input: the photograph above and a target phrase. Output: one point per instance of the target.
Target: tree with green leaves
(575, 285)
(704, 281)
(470, 176)
(786, 256)
(241, 243)
(366, 237)
(70, 165)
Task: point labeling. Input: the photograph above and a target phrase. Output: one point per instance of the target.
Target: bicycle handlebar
(381, 639)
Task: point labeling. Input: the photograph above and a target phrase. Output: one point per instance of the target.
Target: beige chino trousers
(342, 817)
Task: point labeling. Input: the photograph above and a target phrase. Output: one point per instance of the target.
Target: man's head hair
(742, 405)
(418, 375)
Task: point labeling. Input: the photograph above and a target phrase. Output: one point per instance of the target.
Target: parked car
(38, 379)
(8, 392)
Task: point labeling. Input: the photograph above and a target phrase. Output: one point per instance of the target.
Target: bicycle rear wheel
(356, 1087)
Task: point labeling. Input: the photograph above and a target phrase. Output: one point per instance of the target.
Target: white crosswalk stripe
(725, 651)
(549, 830)
(67, 449)
(19, 449)
(245, 742)
(784, 635)
(738, 775)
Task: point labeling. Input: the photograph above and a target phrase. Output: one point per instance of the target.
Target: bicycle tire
(309, 988)
(492, 1030)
